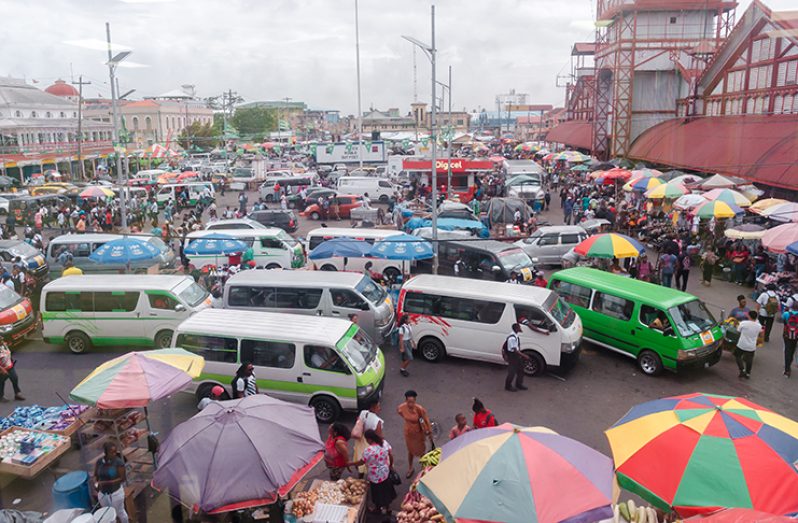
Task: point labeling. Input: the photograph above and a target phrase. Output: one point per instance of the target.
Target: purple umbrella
(239, 454)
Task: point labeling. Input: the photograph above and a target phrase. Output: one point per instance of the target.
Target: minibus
(81, 246)
(17, 318)
(490, 260)
(471, 319)
(315, 293)
(330, 364)
(391, 269)
(120, 309)
(620, 314)
(272, 248)
(376, 188)
(193, 192)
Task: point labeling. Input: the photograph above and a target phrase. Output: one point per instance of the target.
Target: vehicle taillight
(291, 222)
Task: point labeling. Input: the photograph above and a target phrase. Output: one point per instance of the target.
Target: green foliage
(198, 136)
(254, 122)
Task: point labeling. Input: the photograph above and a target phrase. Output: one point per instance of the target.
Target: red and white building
(464, 172)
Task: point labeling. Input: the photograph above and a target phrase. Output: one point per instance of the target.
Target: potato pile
(304, 503)
(417, 509)
(353, 490)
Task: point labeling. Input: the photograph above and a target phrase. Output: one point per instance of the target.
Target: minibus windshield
(8, 297)
(514, 258)
(359, 350)
(193, 294)
(560, 310)
(373, 292)
(691, 318)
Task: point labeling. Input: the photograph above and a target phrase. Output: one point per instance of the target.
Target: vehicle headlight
(569, 347)
(362, 392)
(686, 355)
(6, 328)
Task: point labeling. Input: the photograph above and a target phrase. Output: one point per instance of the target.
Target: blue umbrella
(402, 247)
(124, 251)
(343, 247)
(793, 248)
(215, 245)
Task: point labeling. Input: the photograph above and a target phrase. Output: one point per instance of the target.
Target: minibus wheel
(315, 216)
(163, 340)
(649, 362)
(327, 409)
(431, 349)
(328, 267)
(535, 365)
(77, 342)
(272, 266)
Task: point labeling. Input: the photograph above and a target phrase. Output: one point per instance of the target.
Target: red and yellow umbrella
(699, 453)
(610, 245)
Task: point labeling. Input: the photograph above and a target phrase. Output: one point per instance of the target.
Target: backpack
(791, 327)
(505, 353)
(772, 305)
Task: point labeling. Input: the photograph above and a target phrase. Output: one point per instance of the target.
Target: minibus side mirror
(180, 307)
(669, 331)
(496, 269)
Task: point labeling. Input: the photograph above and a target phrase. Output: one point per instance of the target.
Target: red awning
(576, 133)
(760, 148)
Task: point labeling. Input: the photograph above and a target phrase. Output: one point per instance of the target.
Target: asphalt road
(581, 404)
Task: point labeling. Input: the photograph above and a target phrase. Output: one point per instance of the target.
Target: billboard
(348, 152)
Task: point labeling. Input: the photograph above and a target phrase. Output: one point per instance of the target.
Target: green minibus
(662, 328)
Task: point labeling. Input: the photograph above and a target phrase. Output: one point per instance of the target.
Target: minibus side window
(533, 316)
(613, 306)
(297, 298)
(162, 301)
(272, 243)
(69, 301)
(348, 299)
(572, 293)
(655, 319)
(115, 301)
(274, 354)
(324, 358)
(212, 348)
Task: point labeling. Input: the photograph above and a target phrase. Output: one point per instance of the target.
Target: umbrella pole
(149, 433)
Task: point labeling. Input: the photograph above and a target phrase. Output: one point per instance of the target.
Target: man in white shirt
(514, 357)
(746, 345)
(769, 307)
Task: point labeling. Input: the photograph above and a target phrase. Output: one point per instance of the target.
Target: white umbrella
(688, 201)
(784, 212)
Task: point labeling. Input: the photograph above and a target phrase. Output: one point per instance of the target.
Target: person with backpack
(769, 308)
(790, 336)
(683, 265)
(511, 351)
(482, 417)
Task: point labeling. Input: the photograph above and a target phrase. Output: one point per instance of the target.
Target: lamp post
(430, 51)
(359, 109)
(113, 61)
(448, 88)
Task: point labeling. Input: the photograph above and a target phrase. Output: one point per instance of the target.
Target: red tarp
(576, 133)
(760, 148)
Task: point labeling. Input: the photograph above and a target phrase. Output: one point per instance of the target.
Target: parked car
(295, 201)
(346, 202)
(285, 220)
(548, 245)
(32, 257)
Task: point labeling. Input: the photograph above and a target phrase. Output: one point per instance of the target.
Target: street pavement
(580, 404)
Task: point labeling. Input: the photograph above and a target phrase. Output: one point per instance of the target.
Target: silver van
(547, 245)
(80, 246)
(321, 293)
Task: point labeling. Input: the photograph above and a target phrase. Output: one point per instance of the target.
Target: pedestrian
(8, 371)
(769, 307)
(683, 265)
(708, 261)
(111, 476)
(416, 428)
(461, 426)
(242, 202)
(547, 199)
(406, 345)
(739, 258)
(244, 383)
(70, 269)
(514, 358)
(790, 336)
(482, 417)
(216, 395)
(740, 313)
(336, 450)
(644, 268)
(746, 345)
(667, 266)
(368, 419)
(378, 459)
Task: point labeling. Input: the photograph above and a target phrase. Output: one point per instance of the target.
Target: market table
(355, 512)
(27, 452)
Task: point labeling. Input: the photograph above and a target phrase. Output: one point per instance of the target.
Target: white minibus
(193, 191)
(272, 248)
(376, 188)
(391, 269)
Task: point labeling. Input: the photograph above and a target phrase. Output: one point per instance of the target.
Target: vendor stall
(26, 452)
(342, 501)
(64, 419)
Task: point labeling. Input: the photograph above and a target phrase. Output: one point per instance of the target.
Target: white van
(272, 248)
(193, 192)
(123, 309)
(377, 188)
(391, 269)
(471, 319)
(315, 293)
(150, 174)
(80, 246)
(327, 363)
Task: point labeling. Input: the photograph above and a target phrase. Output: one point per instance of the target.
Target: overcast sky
(305, 49)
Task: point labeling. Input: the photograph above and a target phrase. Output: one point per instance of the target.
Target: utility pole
(434, 173)
(115, 113)
(451, 135)
(359, 108)
(80, 83)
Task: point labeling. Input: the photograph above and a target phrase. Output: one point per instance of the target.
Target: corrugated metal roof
(576, 133)
(760, 148)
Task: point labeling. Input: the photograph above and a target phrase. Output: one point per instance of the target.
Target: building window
(148, 123)
(33, 114)
(135, 123)
(62, 115)
(48, 114)
(18, 114)
(74, 114)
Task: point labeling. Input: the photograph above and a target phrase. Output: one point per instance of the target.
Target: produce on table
(349, 491)
(629, 512)
(415, 507)
(431, 458)
(304, 503)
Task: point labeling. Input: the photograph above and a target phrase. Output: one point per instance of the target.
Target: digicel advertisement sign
(458, 166)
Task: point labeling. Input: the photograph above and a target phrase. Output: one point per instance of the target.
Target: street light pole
(115, 114)
(451, 135)
(359, 109)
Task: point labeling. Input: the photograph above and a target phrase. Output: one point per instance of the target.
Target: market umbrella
(137, 378)
(649, 173)
(187, 175)
(717, 209)
(610, 245)
(402, 247)
(746, 231)
(215, 244)
(510, 474)
(698, 452)
(615, 175)
(717, 182)
(686, 179)
(689, 201)
(239, 454)
(761, 205)
(124, 251)
(740, 515)
(580, 168)
(778, 238)
(341, 247)
(728, 196)
(783, 212)
(642, 184)
(96, 191)
(667, 191)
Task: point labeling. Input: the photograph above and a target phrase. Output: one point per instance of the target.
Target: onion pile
(304, 503)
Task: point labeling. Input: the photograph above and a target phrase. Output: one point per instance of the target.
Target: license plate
(527, 274)
(707, 337)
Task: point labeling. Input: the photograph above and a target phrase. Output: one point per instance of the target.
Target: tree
(198, 135)
(252, 123)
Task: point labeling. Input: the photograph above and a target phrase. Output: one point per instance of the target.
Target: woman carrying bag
(368, 419)
(378, 459)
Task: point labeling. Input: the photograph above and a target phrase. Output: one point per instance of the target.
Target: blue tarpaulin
(450, 224)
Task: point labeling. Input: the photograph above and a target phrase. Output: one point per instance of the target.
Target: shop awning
(760, 148)
(576, 133)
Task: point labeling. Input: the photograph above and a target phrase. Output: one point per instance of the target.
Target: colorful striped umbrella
(137, 378)
(610, 245)
(614, 175)
(698, 453)
(762, 205)
(642, 184)
(740, 515)
(717, 209)
(510, 474)
(638, 173)
(96, 191)
(728, 196)
(667, 191)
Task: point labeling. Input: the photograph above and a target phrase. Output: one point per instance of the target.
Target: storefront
(464, 173)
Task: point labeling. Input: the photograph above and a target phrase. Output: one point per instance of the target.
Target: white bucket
(84, 518)
(105, 515)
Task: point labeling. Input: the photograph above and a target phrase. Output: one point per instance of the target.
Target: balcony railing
(55, 147)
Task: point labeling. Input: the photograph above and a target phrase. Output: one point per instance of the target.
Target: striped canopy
(510, 474)
(761, 205)
(700, 452)
(667, 191)
(717, 209)
(642, 184)
(728, 196)
(610, 245)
